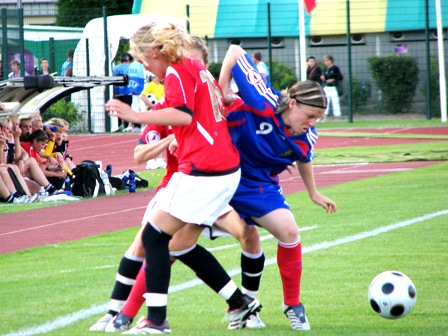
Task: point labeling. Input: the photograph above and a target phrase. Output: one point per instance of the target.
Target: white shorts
(198, 199)
(151, 206)
(213, 232)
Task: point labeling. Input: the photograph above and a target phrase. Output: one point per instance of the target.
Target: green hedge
(396, 76)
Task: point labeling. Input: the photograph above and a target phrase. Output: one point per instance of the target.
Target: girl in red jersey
(206, 157)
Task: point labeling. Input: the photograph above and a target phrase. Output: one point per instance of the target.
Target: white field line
(72, 220)
(218, 248)
(64, 321)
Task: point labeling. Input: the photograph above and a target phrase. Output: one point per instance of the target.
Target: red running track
(77, 220)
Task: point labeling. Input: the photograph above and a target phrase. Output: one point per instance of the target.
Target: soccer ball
(152, 99)
(392, 294)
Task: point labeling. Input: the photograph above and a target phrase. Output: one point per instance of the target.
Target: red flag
(309, 5)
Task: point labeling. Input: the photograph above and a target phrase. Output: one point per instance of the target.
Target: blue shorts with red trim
(257, 198)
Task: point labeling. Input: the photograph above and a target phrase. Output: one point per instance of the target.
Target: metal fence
(351, 35)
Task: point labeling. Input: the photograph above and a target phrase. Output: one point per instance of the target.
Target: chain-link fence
(352, 35)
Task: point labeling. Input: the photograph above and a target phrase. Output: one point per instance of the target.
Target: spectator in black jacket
(331, 77)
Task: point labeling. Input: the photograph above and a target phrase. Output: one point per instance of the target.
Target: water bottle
(131, 181)
(67, 186)
(107, 186)
(109, 170)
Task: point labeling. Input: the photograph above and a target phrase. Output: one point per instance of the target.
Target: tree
(77, 13)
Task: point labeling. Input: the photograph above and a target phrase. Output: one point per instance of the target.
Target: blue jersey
(121, 69)
(266, 147)
(65, 66)
(136, 74)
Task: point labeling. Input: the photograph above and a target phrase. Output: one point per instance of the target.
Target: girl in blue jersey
(273, 130)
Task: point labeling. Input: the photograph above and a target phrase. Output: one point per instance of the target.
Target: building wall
(41, 12)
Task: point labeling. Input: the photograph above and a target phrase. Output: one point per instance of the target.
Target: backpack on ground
(87, 181)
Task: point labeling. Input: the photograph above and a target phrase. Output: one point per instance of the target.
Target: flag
(309, 5)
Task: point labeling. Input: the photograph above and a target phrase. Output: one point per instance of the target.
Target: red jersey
(205, 146)
(30, 150)
(153, 133)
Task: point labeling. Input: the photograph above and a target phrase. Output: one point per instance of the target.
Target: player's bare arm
(145, 152)
(306, 172)
(167, 116)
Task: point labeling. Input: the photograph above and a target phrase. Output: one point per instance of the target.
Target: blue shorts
(256, 199)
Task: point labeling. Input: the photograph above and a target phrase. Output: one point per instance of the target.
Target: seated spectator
(36, 123)
(7, 197)
(61, 145)
(25, 127)
(35, 148)
(12, 188)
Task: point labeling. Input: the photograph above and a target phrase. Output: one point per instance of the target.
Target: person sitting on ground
(38, 140)
(61, 144)
(25, 126)
(7, 171)
(45, 156)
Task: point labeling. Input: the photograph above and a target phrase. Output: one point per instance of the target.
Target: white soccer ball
(152, 99)
(392, 294)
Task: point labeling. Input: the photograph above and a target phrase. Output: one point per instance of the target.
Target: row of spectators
(33, 154)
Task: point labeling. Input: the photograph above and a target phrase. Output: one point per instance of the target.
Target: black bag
(340, 89)
(87, 181)
(117, 183)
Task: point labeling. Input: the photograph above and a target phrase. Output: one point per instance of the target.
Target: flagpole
(302, 44)
(442, 77)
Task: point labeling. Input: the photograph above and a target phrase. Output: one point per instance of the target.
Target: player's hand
(173, 146)
(324, 202)
(121, 110)
(16, 131)
(52, 161)
(228, 99)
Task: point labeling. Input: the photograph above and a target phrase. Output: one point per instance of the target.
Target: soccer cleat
(145, 327)
(119, 323)
(297, 317)
(239, 316)
(254, 322)
(102, 323)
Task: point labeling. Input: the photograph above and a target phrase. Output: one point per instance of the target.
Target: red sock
(136, 299)
(289, 260)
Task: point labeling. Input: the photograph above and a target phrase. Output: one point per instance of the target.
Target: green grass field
(390, 222)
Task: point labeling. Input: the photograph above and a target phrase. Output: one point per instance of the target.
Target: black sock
(251, 269)
(206, 267)
(128, 269)
(50, 188)
(10, 199)
(158, 268)
(236, 300)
